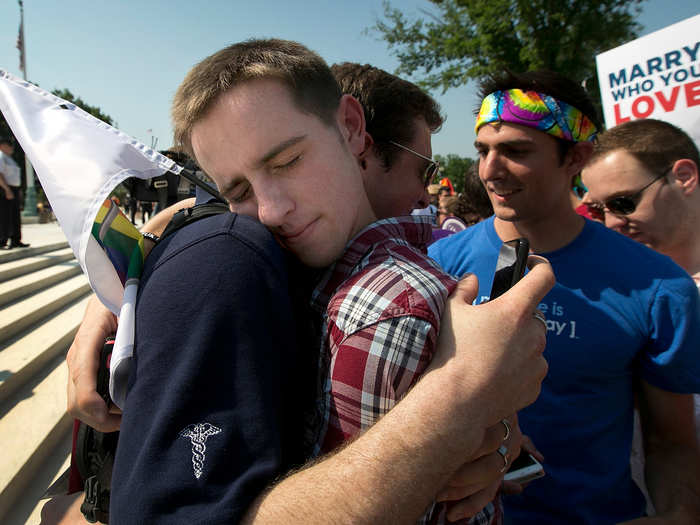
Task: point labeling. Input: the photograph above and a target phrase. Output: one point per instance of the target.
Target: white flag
(80, 160)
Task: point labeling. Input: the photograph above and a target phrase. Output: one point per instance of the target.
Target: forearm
(158, 222)
(393, 471)
(84, 402)
(672, 458)
(673, 480)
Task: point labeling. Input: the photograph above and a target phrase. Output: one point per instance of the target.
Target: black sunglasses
(430, 171)
(622, 204)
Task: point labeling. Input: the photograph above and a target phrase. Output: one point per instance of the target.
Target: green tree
(454, 168)
(461, 40)
(93, 110)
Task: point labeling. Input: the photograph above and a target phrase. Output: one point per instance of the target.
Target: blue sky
(128, 56)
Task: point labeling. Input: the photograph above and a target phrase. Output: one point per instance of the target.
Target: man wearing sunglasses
(642, 181)
(621, 319)
(400, 119)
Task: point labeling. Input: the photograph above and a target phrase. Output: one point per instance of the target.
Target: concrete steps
(23, 253)
(31, 263)
(42, 300)
(38, 280)
(31, 430)
(24, 313)
(28, 508)
(24, 356)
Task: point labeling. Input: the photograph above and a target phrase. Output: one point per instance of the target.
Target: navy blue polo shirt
(213, 412)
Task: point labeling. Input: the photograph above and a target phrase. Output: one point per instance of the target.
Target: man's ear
(577, 157)
(369, 142)
(351, 121)
(686, 173)
(366, 156)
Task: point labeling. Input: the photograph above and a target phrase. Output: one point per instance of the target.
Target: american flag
(20, 39)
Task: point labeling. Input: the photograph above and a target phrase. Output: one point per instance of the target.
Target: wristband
(151, 236)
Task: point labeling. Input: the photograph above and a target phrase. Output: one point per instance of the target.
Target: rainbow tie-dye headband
(536, 110)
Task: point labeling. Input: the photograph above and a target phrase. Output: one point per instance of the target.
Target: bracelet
(151, 236)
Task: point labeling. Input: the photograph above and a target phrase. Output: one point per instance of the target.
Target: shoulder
(220, 264)
(394, 280)
(241, 228)
(454, 252)
(209, 241)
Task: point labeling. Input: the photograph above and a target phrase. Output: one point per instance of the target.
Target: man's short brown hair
(654, 143)
(390, 103)
(303, 72)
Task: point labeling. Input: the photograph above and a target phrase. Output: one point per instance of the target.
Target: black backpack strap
(95, 506)
(189, 215)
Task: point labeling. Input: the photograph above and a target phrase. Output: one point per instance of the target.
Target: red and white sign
(656, 76)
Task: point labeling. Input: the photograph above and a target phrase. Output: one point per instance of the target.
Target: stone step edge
(27, 509)
(14, 490)
(39, 450)
(25, 285)
(64, 323)
(22, 315)
(28, 265)
(21, 253)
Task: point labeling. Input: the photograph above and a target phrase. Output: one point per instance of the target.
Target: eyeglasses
(622, 204)
(430, 171)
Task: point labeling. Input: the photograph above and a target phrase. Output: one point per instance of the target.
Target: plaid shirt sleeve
(372, 369)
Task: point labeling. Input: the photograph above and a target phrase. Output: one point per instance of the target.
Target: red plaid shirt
(384, 300)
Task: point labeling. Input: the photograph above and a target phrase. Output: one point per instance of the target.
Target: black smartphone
(510, 267)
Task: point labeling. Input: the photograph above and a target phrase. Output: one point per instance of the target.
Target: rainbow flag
(120, 240)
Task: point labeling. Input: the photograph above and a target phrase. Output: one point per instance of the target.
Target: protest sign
(656, 76)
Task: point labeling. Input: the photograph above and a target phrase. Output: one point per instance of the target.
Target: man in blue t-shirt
(614, 329)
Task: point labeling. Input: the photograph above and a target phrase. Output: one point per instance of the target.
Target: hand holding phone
(510, 268)
(525, 468)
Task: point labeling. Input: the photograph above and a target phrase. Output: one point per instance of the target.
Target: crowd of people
(314, 357)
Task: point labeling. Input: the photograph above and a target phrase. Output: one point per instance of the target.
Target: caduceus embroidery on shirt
(198, 435)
